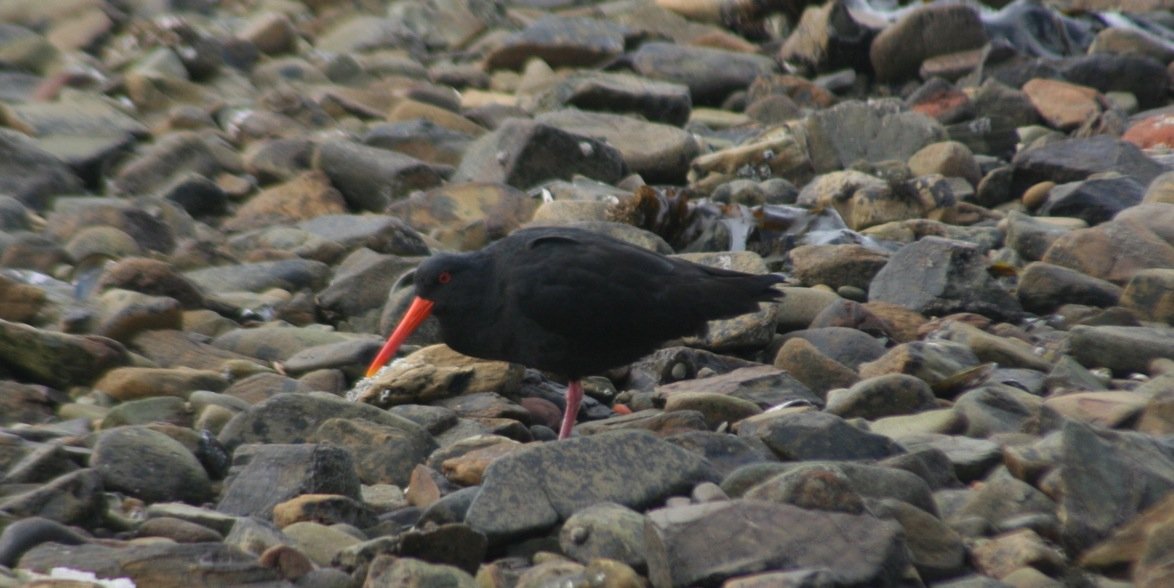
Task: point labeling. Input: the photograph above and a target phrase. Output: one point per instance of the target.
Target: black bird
(570, 301)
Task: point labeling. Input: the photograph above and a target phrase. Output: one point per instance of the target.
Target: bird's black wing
(601, 288)
(589, 288)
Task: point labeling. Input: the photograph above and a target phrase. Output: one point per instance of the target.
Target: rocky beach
(210, 212)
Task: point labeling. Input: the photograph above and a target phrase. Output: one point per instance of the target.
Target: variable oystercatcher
(570, 301)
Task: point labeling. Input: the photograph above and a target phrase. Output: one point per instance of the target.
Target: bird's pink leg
(574, 397)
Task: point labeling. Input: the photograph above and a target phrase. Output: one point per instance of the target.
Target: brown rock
(271, 32)
(178, 530)
(468, 469)
(1152, 131)
(924, 32)
(154, 277)
(1128, 543)
(290, 563)
(716, 408)
(1150, 293)
(414, 109)
(948, 158)
(438, 372)
(1063, 105)
(132, 383)
(1104, 409)
(57, 359)
(903, 323)
(817, 371)
(1006, 553)
(1112, 251)
(304, 197)
(327, 509)
(836, 265)
(19, 302)
(466, 216)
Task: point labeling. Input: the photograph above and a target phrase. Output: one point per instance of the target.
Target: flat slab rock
(157, 564)
(534, 489)
(708, 543)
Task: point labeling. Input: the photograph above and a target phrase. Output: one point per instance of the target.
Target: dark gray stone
(147, 464)
(1073, 160)
(533, 489)
(1093, 200)
(379, 233)
(369, 178)
(782, 537)
(1122, 349)
(524, 153)
(293, 418)
(816, 435)
(32, 175)
(710, 74)
(937, 276)
(263, 476)
(605, 530)
(1107, 478)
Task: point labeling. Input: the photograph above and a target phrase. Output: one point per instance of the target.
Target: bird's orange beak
(417, 312)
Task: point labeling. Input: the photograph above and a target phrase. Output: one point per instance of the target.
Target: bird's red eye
(444, 278)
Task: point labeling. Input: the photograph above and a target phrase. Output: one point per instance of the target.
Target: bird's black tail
(728, 294)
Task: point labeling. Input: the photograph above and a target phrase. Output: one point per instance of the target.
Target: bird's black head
(446, 279)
